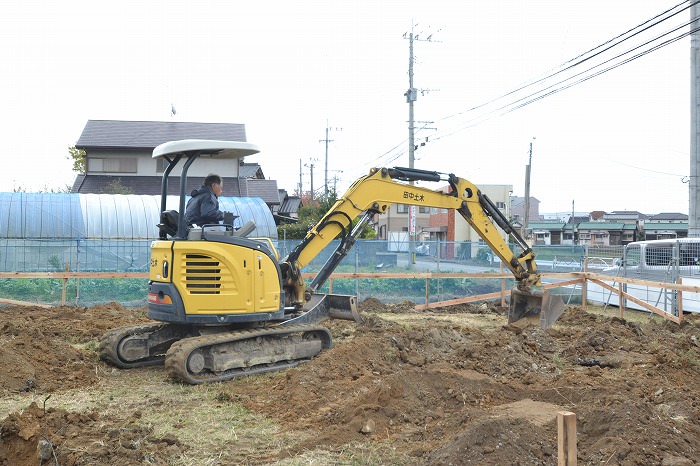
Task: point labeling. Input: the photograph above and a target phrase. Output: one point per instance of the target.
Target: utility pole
(300, 185)
(411, 96)
(694, 194)
(325, 179)
(312, 181)
(573, 222)
(526, 222)
(311, 168)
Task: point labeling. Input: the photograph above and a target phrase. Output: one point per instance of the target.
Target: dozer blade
(328, 306)
(540, 308)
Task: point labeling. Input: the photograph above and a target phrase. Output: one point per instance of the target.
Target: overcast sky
(288, 70)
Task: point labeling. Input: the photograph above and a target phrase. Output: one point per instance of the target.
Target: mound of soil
(450, 386)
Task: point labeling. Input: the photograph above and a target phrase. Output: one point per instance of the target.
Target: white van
(663, 260)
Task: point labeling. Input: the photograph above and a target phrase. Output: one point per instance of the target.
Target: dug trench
(449, 386)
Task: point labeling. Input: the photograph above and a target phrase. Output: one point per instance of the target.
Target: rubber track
(177, 355)
(109, 344)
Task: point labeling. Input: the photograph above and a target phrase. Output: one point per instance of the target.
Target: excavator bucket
(537, 308)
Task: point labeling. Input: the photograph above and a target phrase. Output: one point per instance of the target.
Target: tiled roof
(551, 226)
(649, 227)
(265, 189)
(148, 134)
(290, 205)
(602, 226)
(669, 216)
(251, 170)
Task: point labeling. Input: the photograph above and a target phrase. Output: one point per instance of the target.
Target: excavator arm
(374, 193)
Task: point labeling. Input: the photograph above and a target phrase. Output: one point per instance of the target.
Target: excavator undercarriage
(199, 354)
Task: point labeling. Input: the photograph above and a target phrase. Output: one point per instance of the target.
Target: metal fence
(47, 255)
(376, 256)
(677, 262)
(674, 261)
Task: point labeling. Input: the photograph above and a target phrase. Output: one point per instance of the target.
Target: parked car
(422, 249)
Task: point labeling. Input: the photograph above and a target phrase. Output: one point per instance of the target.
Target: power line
(567, 66)
(563, 67)
(538, 94)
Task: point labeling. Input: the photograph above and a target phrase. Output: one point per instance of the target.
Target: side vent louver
(202, 274)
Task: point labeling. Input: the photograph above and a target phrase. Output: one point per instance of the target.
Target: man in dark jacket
(203, 207)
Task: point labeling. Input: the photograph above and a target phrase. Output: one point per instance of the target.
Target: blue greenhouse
(49, 232)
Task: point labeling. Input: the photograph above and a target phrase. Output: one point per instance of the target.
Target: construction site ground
(450, 386)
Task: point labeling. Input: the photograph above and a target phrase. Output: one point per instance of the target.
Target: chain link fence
(674, 261)
(375, 256)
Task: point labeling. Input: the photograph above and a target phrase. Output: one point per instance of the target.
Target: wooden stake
(584, 285)
(427, 292)
(63, 289)
(566, 431)
(679, 297)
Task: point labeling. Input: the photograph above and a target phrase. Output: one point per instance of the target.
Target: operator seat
(168, 223)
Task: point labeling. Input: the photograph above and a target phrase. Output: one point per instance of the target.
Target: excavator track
(224, 356)
(140, 345)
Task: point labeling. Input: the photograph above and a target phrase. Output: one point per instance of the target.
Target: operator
(203, 206)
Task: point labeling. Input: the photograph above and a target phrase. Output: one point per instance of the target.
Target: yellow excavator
(225, 305)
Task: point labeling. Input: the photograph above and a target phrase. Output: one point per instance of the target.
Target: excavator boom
(373, 194)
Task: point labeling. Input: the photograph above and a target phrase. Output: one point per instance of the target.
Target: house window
(501, 205)
(403, 209)
(112, 165)
(161, 165)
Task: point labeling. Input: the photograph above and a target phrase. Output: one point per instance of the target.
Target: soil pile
(454, 386)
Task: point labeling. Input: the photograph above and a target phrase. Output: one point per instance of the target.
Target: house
(584, 232)
(447, 226)
(288, 211)
(666, 225)
(551, 232)
(118, 159)
(667, 217)
(395, 220)
(625, 216)
(517, 209)
(606, 233)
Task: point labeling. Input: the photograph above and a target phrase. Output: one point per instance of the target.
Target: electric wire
(566, 66)
(541, 94)
(573, 62)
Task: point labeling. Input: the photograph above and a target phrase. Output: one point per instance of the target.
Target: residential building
(667, 217)
(625, 216)
(517, 209)
(396, 220)
(606, 233)
(119, 159)
(666, 225)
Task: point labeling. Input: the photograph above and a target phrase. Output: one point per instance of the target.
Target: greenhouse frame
(48, 232)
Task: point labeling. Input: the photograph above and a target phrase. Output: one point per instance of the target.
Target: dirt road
(452, 387)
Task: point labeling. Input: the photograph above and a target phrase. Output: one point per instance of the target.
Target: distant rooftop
(120, 134)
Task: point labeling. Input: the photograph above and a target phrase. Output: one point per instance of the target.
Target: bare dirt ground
(449, 387)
